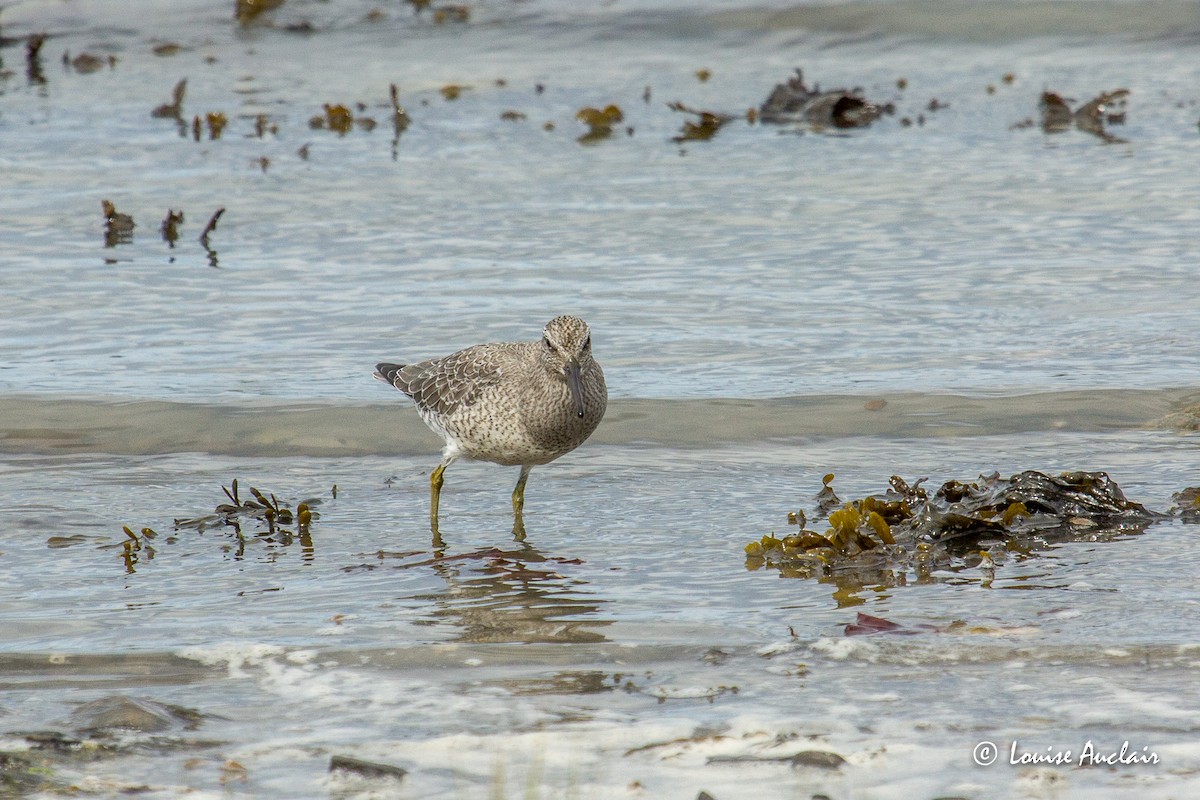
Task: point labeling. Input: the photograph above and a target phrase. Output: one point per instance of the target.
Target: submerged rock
(817, 759)
(805, 759)
(121, 713)
(23, 776)
(365, 769)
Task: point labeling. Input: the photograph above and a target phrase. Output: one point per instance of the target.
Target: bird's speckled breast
(536, 429)
(551, 421)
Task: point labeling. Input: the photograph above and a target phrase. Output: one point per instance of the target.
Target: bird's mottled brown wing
(443, 385)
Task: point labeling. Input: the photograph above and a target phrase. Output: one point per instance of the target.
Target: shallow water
(1017, 299)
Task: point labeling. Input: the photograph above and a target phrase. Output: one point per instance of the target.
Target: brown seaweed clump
(263, 509)
(216, 122)
(209, 228)
(793, 102)
(170, 227)
(704, 128)
(118, 227)
(174, 109)
(265, 519)
(451, 13)
(600, 122)
(959, 525)
(1187, 505)
(340, 119)
(86, 63)
(400, 118)
(1106, 108)
(247, 11)
(453, 91)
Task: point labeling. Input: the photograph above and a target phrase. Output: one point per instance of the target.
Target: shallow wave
(56, 424)
(978, 21)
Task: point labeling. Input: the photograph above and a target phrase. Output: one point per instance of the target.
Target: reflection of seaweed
(878, 539)
(209, 228)
(1106, 108)
(33, 59)
(137, 546)
(174, 109)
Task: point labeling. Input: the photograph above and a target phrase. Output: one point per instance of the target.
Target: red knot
(512, 403)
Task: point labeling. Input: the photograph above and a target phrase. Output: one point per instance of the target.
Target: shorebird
(512, 403)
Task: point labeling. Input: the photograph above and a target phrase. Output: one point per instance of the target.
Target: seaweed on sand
(881, 538)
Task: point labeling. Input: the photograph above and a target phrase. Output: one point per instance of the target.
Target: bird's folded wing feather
(443, 385)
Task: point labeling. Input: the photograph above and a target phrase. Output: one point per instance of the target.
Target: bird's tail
(387, 372)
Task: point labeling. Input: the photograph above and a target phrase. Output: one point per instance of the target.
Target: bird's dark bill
(575, 384)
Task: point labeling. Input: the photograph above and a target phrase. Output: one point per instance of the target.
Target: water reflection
(511, 595)
(33, 60)
(873, 575)
(209, 228)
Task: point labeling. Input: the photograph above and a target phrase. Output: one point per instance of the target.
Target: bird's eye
(546, 341)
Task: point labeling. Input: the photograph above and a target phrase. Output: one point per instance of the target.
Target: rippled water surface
(946, 293)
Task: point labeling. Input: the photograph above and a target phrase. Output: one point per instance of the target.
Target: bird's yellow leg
(519, 492)
(435, 492)
(518, 498)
